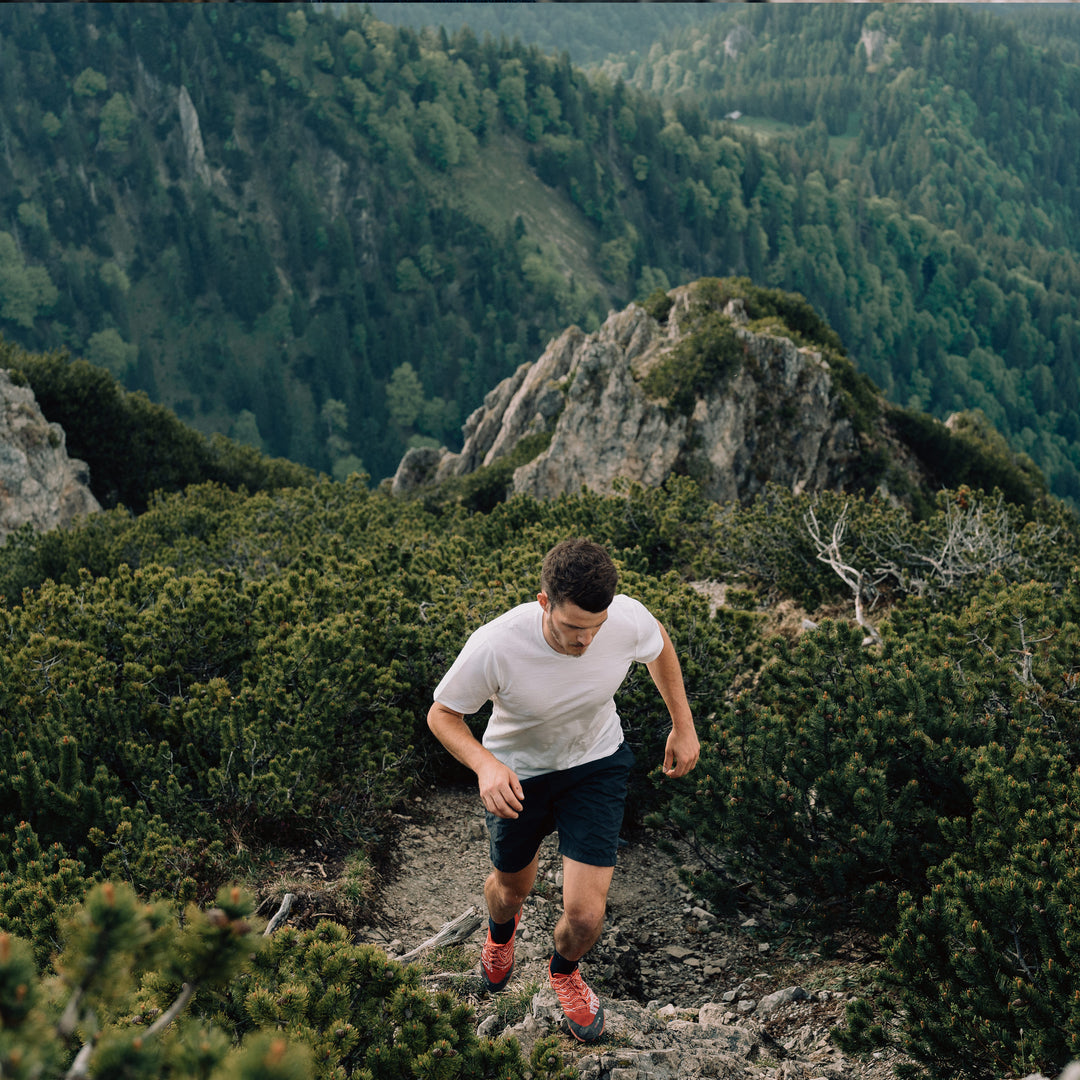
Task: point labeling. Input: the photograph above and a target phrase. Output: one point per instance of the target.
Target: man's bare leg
(505, 893)
(585, 891)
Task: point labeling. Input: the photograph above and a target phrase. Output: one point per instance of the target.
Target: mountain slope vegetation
(193, 694)
(330, 238)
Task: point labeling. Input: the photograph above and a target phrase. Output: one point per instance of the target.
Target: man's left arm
(681, 752)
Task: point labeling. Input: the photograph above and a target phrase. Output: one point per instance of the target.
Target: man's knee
(507, 894)
(584, 915)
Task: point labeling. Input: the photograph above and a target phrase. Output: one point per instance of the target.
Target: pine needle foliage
(712, 353)
(140, 995)
(80, 1022)
(230, 673)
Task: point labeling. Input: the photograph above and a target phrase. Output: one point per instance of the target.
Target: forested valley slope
(329, 237)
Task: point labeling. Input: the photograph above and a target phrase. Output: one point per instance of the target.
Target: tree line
(326, 291)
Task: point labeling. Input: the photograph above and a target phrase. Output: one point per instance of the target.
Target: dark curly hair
(580, 572)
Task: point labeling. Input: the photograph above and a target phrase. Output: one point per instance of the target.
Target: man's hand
(500, 789)
(681, 752)
(683, 748)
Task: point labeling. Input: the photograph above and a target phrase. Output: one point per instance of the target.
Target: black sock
(561, 966)
(501, 933)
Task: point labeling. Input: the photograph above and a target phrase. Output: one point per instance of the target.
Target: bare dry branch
(80, 1066)
(281, 915)
(172, 1012)
(452, 933)
(858, 581)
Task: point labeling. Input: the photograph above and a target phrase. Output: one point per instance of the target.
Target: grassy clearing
(503, 186)
(764, 127)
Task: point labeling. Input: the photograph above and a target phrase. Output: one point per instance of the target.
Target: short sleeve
(472, 679)
(650, 640)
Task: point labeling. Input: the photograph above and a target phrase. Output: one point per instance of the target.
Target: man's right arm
(500, 788)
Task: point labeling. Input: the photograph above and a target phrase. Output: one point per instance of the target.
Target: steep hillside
(230, 687)
(588, 32)
(331, 238)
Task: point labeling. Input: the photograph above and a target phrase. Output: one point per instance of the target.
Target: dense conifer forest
(341, 234)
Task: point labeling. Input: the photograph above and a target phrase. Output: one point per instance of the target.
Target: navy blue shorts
(585, 804)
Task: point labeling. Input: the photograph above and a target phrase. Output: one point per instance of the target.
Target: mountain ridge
(339, 322)
(708, 380)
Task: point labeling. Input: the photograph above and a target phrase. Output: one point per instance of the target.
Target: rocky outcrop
(778, 417)
(873, 43)
(737, 41)
(194, 151)
(39, 483)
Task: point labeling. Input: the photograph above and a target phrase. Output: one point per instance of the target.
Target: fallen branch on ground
(452, 933)
(281, 915)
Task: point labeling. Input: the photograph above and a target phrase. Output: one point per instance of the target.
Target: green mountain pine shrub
(983, 965)
(38, 887)
(366, 1016)
(971, 455)
(978, 962)
(828, 779)
(140, 995)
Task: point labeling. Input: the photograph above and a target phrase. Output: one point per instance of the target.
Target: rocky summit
(696, 386)
(39, 483)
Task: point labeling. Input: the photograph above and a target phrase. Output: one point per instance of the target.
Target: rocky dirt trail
(687, 994)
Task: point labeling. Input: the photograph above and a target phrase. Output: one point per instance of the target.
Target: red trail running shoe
(582, 1008)
(497, 961)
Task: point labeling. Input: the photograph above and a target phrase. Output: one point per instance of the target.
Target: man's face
(569, 629)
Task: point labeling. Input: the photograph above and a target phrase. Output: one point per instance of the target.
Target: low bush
(141, 994)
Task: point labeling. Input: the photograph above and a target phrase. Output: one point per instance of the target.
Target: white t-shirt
(549, 710)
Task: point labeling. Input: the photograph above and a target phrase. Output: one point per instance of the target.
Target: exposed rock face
(737, 41)
(873, 42)
(778, 417)
(192, 134)
(39, 483)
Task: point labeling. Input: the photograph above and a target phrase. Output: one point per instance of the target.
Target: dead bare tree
(970, 538)
(862, 584)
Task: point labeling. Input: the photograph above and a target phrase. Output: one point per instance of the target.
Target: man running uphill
(553, 756)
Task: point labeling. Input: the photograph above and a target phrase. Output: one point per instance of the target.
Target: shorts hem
(590, 858)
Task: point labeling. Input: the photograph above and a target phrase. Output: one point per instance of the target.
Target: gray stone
(771, 1002)
(39, 484)
(190, 131)
(678, 952)
(545, 1006)
(417, 469)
